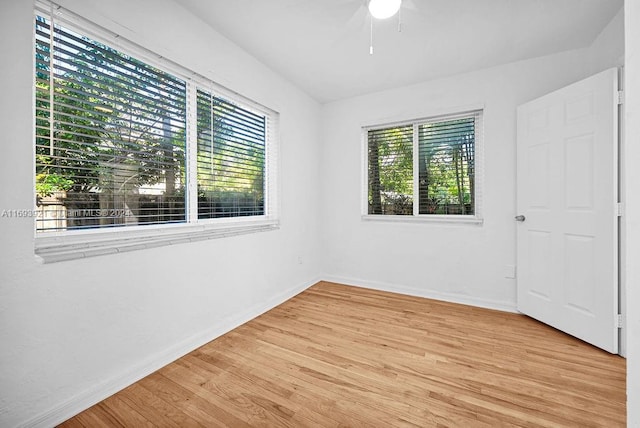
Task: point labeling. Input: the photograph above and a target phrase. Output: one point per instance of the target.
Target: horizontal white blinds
(446, 151)
(390, 159)
(231, 159)
(110, 135)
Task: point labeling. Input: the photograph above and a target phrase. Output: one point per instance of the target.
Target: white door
(567, 192)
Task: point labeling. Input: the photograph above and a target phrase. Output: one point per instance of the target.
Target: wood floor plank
(224, 393)
(155, 409)
(263, 385)
(306, 392)
(188, 402)
(119, 411)
(339, 356)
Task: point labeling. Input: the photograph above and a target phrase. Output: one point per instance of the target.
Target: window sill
(83, 244)
(451, 219)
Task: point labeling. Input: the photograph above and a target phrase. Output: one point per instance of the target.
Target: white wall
(71, 331)
(457, 262)
(632, 198)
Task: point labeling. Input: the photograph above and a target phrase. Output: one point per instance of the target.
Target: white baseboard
(88, 398)
(429, 294)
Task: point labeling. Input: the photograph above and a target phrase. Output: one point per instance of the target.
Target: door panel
(567, 190)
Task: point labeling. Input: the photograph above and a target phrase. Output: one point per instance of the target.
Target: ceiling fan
(383, 9)
(380, 10)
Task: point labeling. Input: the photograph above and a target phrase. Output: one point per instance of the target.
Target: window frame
(56, 246)
(477, 218)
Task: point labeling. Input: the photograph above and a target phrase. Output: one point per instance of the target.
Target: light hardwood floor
(338, 356)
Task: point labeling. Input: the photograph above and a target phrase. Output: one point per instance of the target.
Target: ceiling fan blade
(414, 6)
(337, 14)
(359, 17)
(357, 23)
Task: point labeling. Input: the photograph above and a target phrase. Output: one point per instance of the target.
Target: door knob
(520, 217)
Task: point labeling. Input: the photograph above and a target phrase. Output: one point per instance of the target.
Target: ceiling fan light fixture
(383, 9)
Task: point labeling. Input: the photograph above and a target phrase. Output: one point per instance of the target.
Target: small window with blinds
(424, 168)
(120, 141)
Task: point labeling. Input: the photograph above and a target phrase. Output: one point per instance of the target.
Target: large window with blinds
(427, 167)
(121, 141)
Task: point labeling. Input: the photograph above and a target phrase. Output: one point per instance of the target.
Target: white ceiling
(322, 46)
